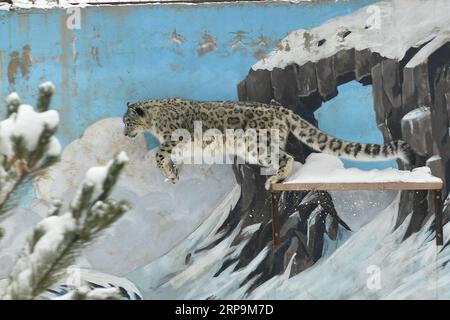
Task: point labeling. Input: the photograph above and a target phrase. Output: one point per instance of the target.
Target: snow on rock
(389, 28)
(50, 4)
(416, 129)
(5, 6)
(43, 4)
(412, 269)
(320, 167)
(162, 214)
(431, 47)
(417, 113)
(188, 271)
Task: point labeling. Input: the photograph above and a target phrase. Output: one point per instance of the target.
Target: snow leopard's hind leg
(284, 170)
(164, 161)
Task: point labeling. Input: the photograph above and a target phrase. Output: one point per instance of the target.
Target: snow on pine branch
(27, 142)
(28, 125)
(28, 146)
(56, 240)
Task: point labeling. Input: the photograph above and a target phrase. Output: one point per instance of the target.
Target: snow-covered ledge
(400, 47)
(324, 168)
(322, 172)
(389, 28)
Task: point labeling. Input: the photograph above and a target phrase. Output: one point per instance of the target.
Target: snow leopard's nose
(130, 135)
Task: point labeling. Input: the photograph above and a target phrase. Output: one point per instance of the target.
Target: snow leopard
(162, 116)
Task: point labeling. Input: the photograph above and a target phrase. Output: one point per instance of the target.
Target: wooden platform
(336, 186)
(434, 188)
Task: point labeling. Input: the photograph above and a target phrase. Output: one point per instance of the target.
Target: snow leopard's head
(134, 119)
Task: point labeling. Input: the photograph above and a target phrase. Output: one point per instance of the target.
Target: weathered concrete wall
(127, 53)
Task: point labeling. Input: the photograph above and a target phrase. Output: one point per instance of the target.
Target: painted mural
(357, 91)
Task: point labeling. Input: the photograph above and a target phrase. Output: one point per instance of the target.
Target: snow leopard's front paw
(273, 179)
(170, 171)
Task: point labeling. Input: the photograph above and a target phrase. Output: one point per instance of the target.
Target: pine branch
(85, 293)
(42, 146)
(46, 91)
(12, 103)
(58, 239)
(23, 159)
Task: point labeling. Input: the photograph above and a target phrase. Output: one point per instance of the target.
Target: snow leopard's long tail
(322, 142)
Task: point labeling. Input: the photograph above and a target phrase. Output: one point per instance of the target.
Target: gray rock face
(305, 219)
(420, 79)
(416, 129)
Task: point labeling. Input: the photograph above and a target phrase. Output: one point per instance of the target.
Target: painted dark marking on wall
(207, 45)
(13, 66)
(176, 37)
(26, 61)
(262, 41)
(74, 66)
(287, 47)
(260, 54)
(63, 89)
(308, 40)
(22, 63)
(174, 67)
(238, 40)
(145, 64)
(95, 55)
(74, 49)
(1, 72)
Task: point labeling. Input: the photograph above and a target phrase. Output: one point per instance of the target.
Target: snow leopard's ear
(275, 103)
(128, 104)
(139, 111)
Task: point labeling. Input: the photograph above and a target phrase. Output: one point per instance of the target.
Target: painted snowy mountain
(402, 49)
(372, 262)
(163, 214)
(209, 237)
(192, 265)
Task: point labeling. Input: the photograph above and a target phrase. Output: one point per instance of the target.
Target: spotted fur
(162, 117)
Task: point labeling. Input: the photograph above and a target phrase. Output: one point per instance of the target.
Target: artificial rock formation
(408, 66)
(411, 99)
(411, 95)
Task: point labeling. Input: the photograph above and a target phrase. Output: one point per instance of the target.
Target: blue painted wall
(128, 53)
(125, 53)
(351, 116)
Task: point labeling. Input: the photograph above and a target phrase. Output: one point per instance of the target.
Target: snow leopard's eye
(139, 111)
